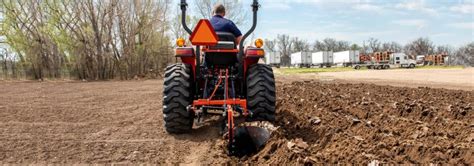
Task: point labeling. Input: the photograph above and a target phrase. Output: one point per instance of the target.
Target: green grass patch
(341, 69)
(314, 70)
(441, 67)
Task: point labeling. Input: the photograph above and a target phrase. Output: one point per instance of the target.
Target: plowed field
(330, 121)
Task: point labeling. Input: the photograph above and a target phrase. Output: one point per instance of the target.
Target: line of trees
(422, 46)
(85, 39)
(108, 39)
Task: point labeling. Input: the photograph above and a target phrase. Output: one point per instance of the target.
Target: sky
(443, 21)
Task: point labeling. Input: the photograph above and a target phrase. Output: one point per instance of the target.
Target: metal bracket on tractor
(229, 80)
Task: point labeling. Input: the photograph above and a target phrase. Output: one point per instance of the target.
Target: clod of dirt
(374, 163)
(359, 138)
(369, 123)
(315, 120)
(355, 121)
(297, 145)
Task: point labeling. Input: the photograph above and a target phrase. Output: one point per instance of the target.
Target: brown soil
(361, 123)
(121, 122)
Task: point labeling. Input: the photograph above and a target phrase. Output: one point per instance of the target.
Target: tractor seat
(226, 41)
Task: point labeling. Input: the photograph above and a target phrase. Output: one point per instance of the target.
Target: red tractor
(229, 82)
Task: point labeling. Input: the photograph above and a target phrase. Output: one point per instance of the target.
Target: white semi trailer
(301, 59)
(346, 58)
(322, 58)
(273, 59)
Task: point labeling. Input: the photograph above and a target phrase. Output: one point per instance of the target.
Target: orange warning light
(204, 34)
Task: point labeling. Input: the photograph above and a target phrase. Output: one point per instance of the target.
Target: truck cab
(420, 59)
(402, 60)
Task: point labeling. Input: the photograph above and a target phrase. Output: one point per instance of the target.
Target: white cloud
(463, 25)
(464, 8)
(320, 3)
(443, 34)
(277, 6)
(277, 22)
(368, 7)
(416, 5)
(418, 23)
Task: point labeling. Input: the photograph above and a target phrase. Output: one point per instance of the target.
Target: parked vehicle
(385, 60)
(437, 59)
(273, 59)
(420, 59)
(346, 58)
(401, 60)
(301, 59)
(446, 60)
(322, 59)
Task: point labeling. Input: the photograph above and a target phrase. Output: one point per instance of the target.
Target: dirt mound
(364, 123)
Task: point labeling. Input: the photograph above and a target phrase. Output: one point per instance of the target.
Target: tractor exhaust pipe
(255, 5)
(183, 6)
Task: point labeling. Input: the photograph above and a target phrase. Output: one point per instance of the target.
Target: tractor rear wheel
(261, 93)
(177, 96)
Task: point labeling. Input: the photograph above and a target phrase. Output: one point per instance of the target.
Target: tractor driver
(220, 24)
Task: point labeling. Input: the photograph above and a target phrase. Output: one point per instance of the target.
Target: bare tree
(365, 48)
(444, 49)
(284, 45)
(330, 44)
(88, 39)
(420, 46)
(270, 45)
(464, 55)
(318, 46)
(299, 45)
(392, 46)
(341, 46)
(234, 10)
(374, 45)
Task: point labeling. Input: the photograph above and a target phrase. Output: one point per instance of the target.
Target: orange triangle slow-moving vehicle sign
(204, 34)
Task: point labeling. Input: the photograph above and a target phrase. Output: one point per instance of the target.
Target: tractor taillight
(259, 43)
(184, 51)
(255, 52)
(180, 42)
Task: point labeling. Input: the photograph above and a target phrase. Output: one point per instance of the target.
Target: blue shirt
(220, 24)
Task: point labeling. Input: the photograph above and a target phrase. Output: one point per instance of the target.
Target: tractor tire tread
(177, 96)
(261, 93)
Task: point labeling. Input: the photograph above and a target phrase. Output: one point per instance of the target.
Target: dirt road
(121, 122)
(438, 78)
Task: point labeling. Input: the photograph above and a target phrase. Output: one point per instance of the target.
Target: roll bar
(255, 5)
